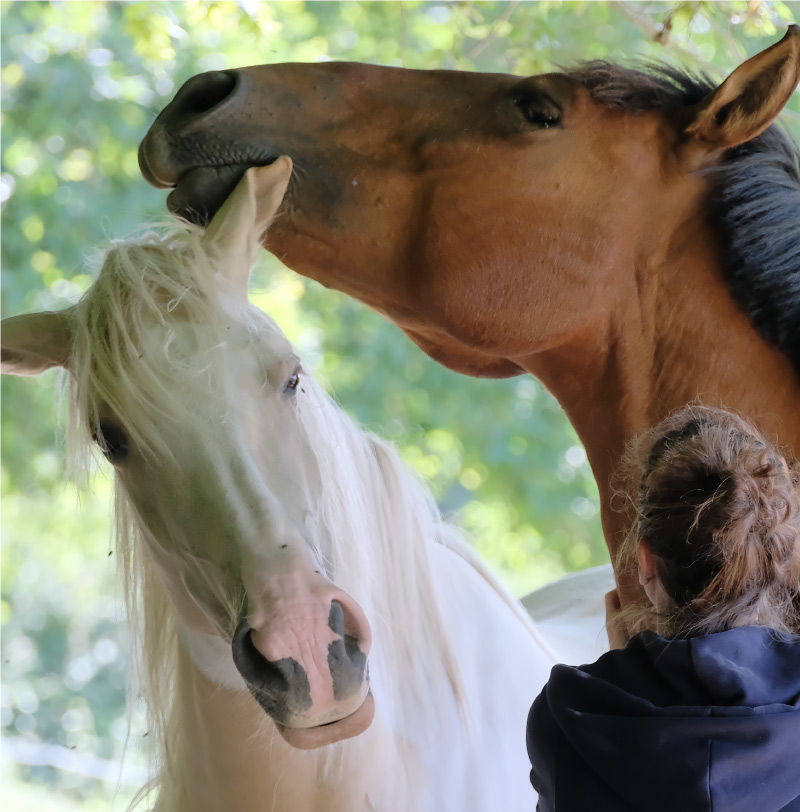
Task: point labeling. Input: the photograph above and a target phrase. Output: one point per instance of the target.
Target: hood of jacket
(705, 724)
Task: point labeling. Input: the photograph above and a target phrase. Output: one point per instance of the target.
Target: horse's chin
(200, 192)
(310, 738)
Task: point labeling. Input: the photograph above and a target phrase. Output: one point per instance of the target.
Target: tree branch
(487, 40)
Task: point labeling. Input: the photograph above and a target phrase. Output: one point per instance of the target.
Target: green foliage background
(81, 81)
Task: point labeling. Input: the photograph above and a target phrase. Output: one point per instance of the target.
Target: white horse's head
(202, 407)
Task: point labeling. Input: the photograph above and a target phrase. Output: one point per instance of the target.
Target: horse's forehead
(239, 331)
(270, 337)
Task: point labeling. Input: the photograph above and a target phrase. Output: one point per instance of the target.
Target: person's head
(717, 524)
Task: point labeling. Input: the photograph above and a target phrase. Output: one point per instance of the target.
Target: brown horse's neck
(621, 377)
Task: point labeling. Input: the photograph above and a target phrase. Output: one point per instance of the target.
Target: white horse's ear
(236, 229)
(749, 100)
(35, 342)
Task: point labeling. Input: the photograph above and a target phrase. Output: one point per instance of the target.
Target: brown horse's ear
(236, 229)
(749, 100)
(35, 342)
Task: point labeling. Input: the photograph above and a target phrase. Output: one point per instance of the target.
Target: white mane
(373, 522)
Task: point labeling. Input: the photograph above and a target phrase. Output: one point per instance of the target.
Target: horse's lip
(148, 171)
(199, 192)
(310, 738)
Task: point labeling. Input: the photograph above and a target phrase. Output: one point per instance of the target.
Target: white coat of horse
(314, 637)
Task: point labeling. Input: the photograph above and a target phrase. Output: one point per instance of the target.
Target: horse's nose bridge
(218, 97)
(320, 625)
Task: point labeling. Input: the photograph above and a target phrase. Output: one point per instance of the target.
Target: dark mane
(755, 197)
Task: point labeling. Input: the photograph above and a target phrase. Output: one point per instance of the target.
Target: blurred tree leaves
(81, 82)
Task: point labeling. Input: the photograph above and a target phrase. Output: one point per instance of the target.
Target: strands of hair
(368, 493)
(755, 196)
(718, 506)
(155, 280)
(145, 282)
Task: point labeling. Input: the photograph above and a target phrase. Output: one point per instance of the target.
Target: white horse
(314, 636)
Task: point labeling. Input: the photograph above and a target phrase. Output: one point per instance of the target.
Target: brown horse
(629, 237)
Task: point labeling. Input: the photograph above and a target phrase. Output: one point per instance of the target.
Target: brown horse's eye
(539, 109)
(112, 440)
(540, 118)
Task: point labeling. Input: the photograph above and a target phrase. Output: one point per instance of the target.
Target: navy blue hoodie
(709, 724)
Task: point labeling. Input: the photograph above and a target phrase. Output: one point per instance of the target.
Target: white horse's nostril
(346, 659)
(280, 687)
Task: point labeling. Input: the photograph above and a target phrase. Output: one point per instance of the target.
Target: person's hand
(615, 626)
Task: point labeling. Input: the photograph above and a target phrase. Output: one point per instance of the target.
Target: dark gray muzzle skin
(347, 663)
(195, 138)
(281, 687)
(278, 686)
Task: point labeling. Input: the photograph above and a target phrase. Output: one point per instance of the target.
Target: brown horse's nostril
(168, 150)
(200, 95)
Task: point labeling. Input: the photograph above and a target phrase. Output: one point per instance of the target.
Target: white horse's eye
(112, 440)
(290, 387)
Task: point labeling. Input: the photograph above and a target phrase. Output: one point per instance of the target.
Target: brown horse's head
(431, 195)
(621, 234)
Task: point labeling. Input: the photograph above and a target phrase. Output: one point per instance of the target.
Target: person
(700, 709)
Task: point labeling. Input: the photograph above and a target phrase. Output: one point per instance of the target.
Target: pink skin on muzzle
(303, 654)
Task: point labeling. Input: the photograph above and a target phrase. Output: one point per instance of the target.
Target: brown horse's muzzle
(185, 148)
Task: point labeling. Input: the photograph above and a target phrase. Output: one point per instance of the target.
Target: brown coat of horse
(566, 225)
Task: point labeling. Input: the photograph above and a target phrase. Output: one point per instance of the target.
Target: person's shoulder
(649, 671)
(640, 649)
(625, 669)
